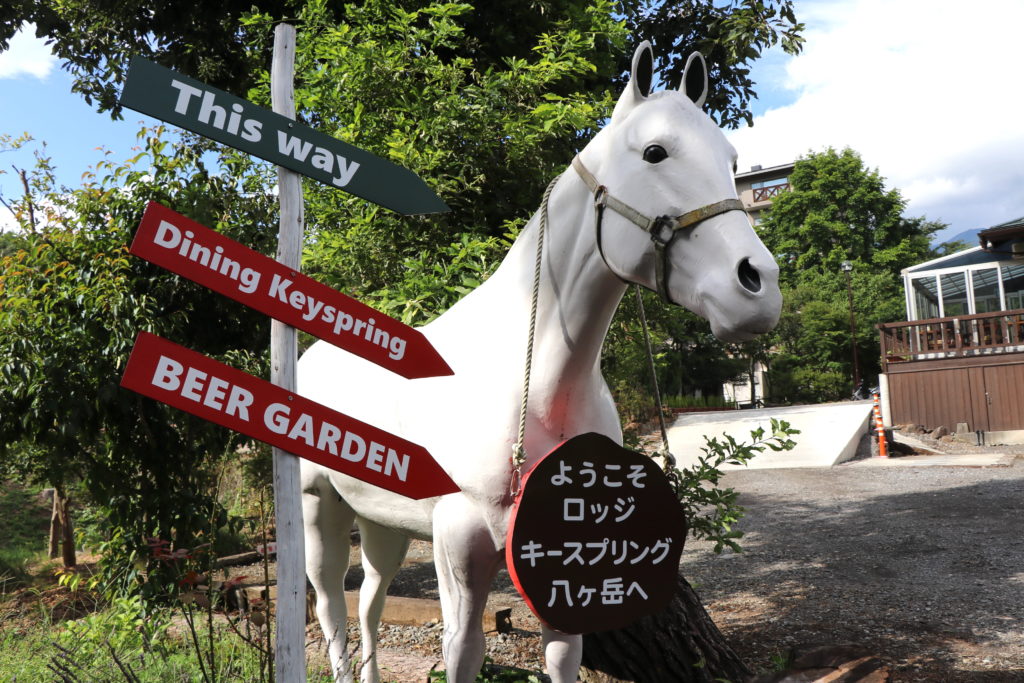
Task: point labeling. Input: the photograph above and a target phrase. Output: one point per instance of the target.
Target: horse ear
(641, 75)
(695, 79)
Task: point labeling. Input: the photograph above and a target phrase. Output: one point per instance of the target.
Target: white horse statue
(659, 156)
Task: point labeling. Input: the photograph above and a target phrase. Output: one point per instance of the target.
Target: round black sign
(595, 536)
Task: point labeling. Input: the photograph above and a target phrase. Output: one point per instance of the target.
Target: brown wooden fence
(947, 371)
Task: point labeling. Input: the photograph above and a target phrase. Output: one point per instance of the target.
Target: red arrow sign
(182, 246)
(231, 398)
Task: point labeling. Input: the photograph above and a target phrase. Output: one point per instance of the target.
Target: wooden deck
(965, 336)
(959, 370)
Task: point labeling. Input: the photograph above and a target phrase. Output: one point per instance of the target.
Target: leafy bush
(698, 402)
(711, 511)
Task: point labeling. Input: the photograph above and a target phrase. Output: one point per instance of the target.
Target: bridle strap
(603, 199)
(662, 229)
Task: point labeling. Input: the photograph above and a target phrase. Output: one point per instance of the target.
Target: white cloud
(27, 56)
(925, 90)
(7, 222)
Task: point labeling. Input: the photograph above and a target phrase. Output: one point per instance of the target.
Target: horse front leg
(327, 522)
(562, 655)
(466, 563)
(383, 550)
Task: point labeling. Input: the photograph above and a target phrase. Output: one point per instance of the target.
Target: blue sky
(927, 91)
(38, 100)
(924, 91)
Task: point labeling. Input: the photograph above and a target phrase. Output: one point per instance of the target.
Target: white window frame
(912, 313)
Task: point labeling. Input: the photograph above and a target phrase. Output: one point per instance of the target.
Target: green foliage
(126, 630)
(711, 510)
(838, 210)
(10, 243)
(72, 303)
(697, 402)
(27, 654)
(486, 133)
(198, 600)
(95, 39)
(780, 661)
(435, 280)
(688, 359)
(731, 35)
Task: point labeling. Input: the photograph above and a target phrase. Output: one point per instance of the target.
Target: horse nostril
(749, 277)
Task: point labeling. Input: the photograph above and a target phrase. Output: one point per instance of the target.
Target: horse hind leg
(383, 550)
(327, 521)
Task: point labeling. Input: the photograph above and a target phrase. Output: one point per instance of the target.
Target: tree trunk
(55, 530)
(61, 530)
(753, 383)
(68, 541)
(679, 645)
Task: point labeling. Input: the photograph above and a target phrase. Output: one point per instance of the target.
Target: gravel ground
(923, 566)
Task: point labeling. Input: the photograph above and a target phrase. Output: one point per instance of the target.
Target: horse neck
(578, 294)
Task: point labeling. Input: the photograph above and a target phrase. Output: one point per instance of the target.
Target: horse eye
(655, 154)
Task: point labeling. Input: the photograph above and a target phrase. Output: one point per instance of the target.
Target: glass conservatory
(968, 282)
(958, 359)
(963, 304)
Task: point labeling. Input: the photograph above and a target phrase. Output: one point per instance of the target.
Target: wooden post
(289, 649)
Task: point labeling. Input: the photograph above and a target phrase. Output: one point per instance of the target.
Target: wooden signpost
(595, 537)
(178, 376)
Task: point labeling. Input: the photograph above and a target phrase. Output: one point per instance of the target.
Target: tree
(95, 39)
(730, 35)
(487, 140)
(838, 210)
(72, 303)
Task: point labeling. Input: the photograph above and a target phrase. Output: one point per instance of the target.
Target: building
(958, 360)
(759, 187)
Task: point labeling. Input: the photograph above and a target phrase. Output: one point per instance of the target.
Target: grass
(19, 654)
(26, 526)
(43, 625)
(117, 643)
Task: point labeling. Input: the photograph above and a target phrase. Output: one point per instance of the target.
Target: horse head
(662, 165)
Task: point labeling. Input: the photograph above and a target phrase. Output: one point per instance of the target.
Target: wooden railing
(764, 194)
(964, 335)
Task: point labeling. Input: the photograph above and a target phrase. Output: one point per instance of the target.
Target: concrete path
(939, 460)
(829, 433)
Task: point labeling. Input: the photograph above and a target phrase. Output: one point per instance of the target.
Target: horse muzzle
(744, 301)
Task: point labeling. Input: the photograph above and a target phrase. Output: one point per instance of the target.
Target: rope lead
(519, 449)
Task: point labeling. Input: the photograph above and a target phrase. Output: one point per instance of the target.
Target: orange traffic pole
(883, 450)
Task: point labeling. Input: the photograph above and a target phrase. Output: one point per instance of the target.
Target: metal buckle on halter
(662, 231)
(599, 197)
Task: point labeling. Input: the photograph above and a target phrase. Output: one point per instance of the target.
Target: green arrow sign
(195, 106)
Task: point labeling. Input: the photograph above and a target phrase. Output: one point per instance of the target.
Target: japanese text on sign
(596, 536)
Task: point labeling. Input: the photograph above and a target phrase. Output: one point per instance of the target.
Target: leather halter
(662, 229)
